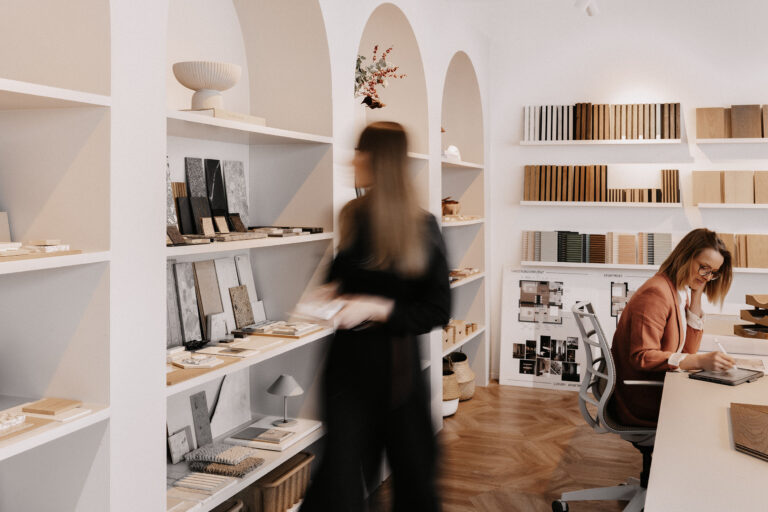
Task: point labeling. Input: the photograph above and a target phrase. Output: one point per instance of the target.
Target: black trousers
(375, 402)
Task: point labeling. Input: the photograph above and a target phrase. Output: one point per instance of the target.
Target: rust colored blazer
(650, 330)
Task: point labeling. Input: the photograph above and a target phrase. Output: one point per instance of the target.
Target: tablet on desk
(732, 377)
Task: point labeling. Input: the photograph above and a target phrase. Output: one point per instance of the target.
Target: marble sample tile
(190, 315)
(201, 419)
(237, 194)
(216, 326)
(259, 315)
(174, 336)
(245, 274)
(186, 220)
(227, 277)
(241, 306)
(170, 206)
(208, 298)
(233, 407)
(195, 177)
(214, 181)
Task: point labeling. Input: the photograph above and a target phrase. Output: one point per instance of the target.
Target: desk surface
(695, 466)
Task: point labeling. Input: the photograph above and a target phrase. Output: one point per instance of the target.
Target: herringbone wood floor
(513, 449)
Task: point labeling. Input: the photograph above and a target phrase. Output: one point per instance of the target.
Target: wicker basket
(459, 363)
(450, 385)
(282, 488)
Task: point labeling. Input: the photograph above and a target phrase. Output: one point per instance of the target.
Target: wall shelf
(755, 140)
(471, 222)
(55, 430)
(467, 280)
(734, 206)
(605, 142)
(480, 330)
(197, 126)
(417, 156)
(288, 345)
(218, 247)
(601, 204)
(16, 95)
(272, 460)
(459, 164)
(619, 266)
(26, 265)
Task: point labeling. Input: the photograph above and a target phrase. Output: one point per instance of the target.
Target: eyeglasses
(705, 271)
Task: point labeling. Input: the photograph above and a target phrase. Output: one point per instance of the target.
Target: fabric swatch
(237, 470)
(221, 453)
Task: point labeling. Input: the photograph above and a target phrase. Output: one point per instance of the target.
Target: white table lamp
(285, 386)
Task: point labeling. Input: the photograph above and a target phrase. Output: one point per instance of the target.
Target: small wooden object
(746, 121)
(707, 187)
(757, 251)
(761, 187)
(756, 316)
(175, 235)
(206, 226)
(51, 406)
(738, 187)
(758, 301)
(751, 331)
(221, 224)
(750, 429)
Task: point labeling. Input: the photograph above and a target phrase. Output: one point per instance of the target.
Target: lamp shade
(285, 385)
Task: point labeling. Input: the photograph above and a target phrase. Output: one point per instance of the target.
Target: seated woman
(661, 326)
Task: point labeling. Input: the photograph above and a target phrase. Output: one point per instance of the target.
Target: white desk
(695, 466)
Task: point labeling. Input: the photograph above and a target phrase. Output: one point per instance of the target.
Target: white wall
(696, 52)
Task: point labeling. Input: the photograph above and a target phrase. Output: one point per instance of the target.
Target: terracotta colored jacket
(650, 330)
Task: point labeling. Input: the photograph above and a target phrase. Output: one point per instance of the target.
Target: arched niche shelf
(57, 44)
(406, 99)
(462, 111)
(282, 47)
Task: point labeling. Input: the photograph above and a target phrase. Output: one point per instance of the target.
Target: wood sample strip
(761, 187)
(757, 251)
(707, 187)
(676, 121)
(730, 244)
(51, 406)
(710, 123)
(746, 121)
(738, 187)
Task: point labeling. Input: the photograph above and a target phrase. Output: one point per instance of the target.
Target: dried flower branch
(367, 78)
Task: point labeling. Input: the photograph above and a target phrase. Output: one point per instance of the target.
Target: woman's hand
(713, 361)
(363, 308)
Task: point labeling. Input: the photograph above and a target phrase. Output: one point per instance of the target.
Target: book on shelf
(262, 434)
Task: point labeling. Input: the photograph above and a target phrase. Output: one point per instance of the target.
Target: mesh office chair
(600, 381)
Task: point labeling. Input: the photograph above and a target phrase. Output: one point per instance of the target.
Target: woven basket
(459, 363)
(282, 488)
(450, 386)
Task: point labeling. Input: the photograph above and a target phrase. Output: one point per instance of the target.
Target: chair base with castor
(600, 382)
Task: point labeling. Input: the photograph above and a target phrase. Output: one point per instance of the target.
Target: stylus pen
(724, 352)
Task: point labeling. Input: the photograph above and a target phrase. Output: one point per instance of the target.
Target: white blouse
(697, 322)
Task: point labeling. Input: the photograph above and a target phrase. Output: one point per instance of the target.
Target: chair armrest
(643, 383)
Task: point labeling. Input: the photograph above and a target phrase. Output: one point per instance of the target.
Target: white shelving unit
(733, 206)
(467, 280)
(620, 266)
(602, 204)
(456, 346)
(16, 95)
(239, 245)
(456, 223)
(755, 140)
(418, 156)
(51, 262)
(459, 164)
(606, 142)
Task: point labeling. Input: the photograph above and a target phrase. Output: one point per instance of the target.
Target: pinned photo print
(572, 343)
(518, 350)
(571, 372)
(527, 367)
(542, 366)
(555, 368)
(558, 350)
(570, 356)
(541, 301)
(530, 349)
(545, 347)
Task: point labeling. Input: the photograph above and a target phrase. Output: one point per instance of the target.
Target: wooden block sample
(738, 187)
(756, 300)
(746, 121)
(728, 131)
(707, 187)
(208, 296)
(221, 224)
(750, 429)
(51, 406)
(757, 251)
(241, 306)
(765, 121)
(200, 210)
(665, 121)
(206, 226)
(676, 121)
(761, 187)
(710, 123)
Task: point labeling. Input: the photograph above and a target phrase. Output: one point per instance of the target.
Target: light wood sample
(746, 121)
(707, 187)
(730, 244)
(758, 301)
(738, 187)
(51, 406)
(741, 250)
(710, 123)
(207, 287)
(761, 187)
(750, 429)
(757, 251)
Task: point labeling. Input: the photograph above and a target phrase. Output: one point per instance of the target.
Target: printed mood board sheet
(540, 342)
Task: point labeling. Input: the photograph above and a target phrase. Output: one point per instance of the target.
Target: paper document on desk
(750, 364)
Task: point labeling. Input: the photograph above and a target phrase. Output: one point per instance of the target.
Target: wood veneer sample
(738, 187)
(710, 123)
(707, 187)
(51, 406)
(741, 250)
(758, 301)
(221, 224)
(206, 226)
(208, 296)
(750, 429)
(757, 251)
(746, 121)
(676, 120)
(761, 187)
(241, 306)
(730, 244)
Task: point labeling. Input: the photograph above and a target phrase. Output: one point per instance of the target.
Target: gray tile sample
(216, 326)
(241, 306)
(190, 316)
(195, 177)
(237, 195)
(201, 419)
(174, 337)
(208, 298)
(214, 182)
(170, 206)
(227, 276)
(245, 275)
(259, 315)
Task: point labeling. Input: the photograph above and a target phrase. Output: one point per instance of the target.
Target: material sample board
(190, 316)
(237, 195)
(209, 300)
(226, 274)
(195, 177)
(173, 335)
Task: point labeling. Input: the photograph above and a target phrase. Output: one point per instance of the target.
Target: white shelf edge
(245, 128)
(451, 224)
(418, 156)
(734, 206)
(71, 260)
(215, 247)
(467, 280)
(51, 432)
(272, 460)
(55, 93)
(460, 164)
(610, 266)
(480, 330)
(603, 142)
(755, 140)
(586, 204)
(246, 362)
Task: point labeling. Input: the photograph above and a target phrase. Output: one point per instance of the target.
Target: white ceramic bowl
(207, 79)
(450, 407)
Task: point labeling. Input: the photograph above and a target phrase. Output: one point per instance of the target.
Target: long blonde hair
(395, 222)
(678, 263)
